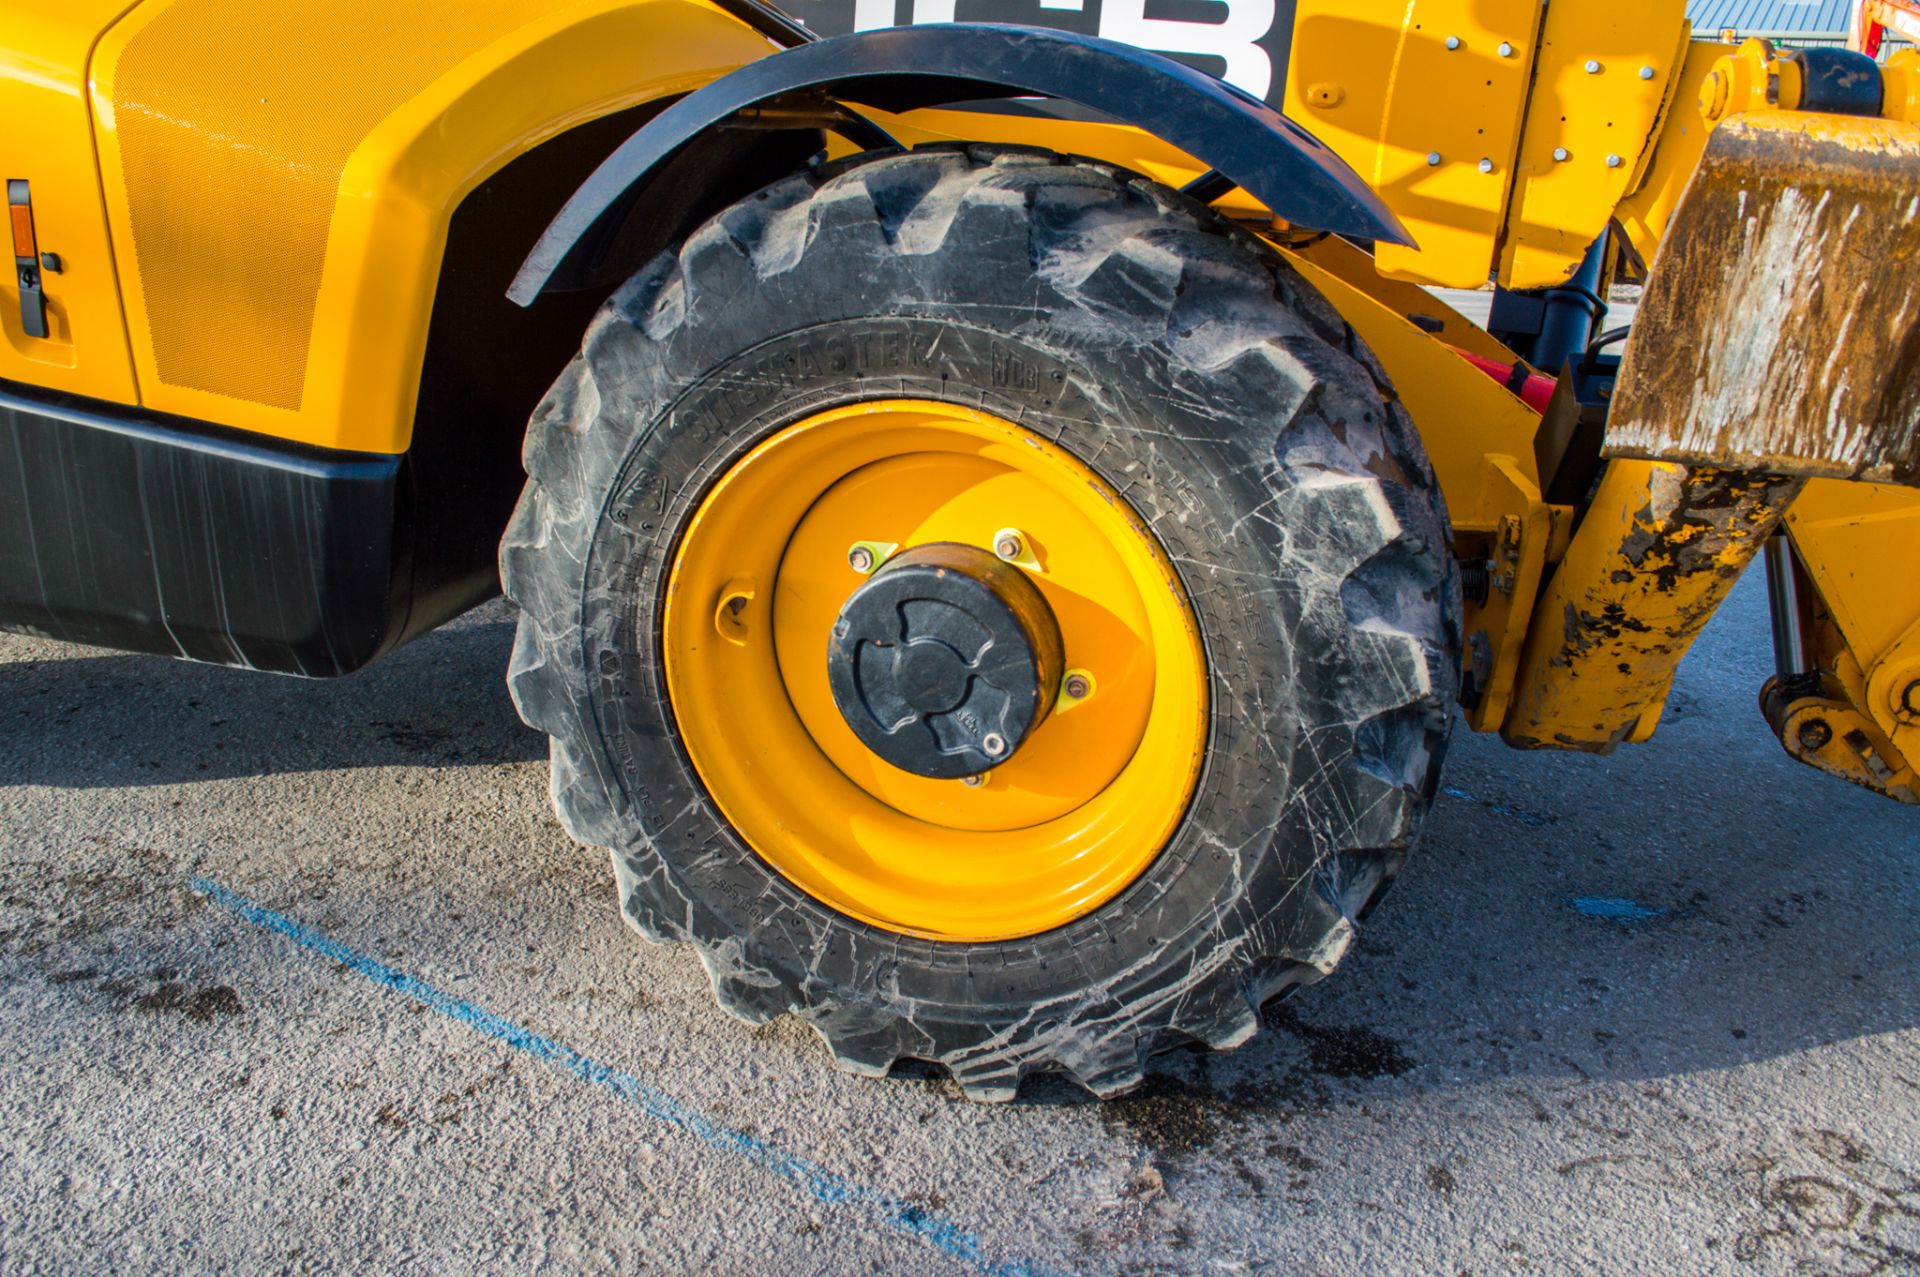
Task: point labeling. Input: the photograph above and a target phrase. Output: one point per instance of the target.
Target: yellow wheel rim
(1074, 816)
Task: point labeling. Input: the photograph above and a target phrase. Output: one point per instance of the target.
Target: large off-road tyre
(1235, 432)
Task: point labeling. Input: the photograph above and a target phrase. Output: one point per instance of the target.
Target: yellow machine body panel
(1854, 712)
(1903, 86)
(1425, 101)
(1504, 134)
(1846, 535)
(279, 180)
(46, 139)
(1643, 215)
(1843, 531)
(1605, 75)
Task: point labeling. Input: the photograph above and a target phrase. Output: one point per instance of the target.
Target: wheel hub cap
(945, 661)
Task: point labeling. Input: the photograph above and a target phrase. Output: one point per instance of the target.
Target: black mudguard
(909, 68)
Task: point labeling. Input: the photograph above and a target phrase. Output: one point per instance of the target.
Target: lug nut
(1075, 688)
(860, 559)
(974, 781)
(1646, 73)
(1008, 545)
(1453, 42)
(1486, 166)
(1614, 161)
(1562, 154)
(1433, 159)
(1593, 66)
(994, 744)
(1506, 49)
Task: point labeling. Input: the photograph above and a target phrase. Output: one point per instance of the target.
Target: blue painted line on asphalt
(819, 1183)
(1614, 909)
(1521, 814)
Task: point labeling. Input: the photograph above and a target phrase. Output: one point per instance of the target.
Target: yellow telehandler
(1001, 521)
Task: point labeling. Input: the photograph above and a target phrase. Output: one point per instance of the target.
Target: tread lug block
(897, 187)
(652, 303)
(573, 404)
(986, 1081)
(1133, 282)
(578, 786)
(1336, 523)
(867, 1042)
(1113, 1072)
(771, 230)
(746, 991)
(1268, 982)
(646, 907)
(1393, 750)
(1394, 673)
(1219, 1014)
(1328, 948)
(539, 689)
(1351, 881)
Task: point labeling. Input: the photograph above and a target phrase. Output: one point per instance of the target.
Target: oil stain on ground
(1345, 1051)
(1171, 1115)
(1180, 1111)
(199, 1005)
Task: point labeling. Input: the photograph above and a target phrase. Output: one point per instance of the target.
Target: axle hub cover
(945, 660)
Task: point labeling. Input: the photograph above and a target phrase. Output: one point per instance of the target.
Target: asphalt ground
(306, 977)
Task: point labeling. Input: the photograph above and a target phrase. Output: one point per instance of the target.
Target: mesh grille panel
(235, 119)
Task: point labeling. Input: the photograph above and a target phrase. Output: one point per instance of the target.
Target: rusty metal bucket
(1780, 330)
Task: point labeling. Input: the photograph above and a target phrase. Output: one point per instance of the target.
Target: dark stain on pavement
(202, 1006)
(1170, 1115)
(1348, 1051)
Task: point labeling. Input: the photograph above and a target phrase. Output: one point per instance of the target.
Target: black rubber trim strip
(126, 529)
(908, 68)
(192, 435)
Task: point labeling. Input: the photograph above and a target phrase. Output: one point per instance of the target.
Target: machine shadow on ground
(438, 702)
